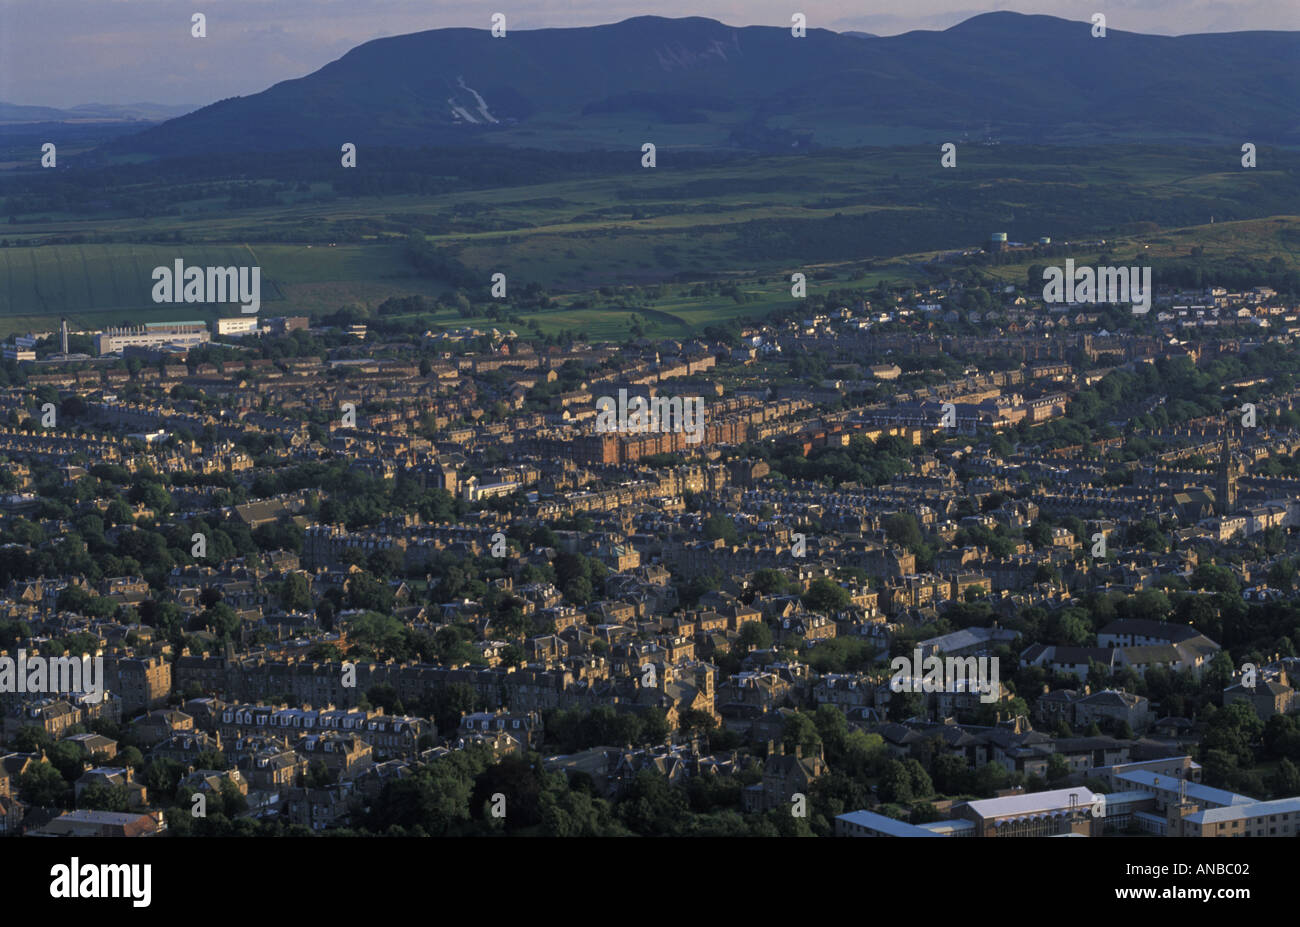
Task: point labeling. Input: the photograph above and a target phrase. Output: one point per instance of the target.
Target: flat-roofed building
(237, 325)
(1173, 767)
(152, 335)
(870, 824)
(1037, 814)
(1119, 808)
(951, 828)
(1279, 818)
(1168, 790)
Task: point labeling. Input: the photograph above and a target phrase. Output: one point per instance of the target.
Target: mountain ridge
(1016, 77)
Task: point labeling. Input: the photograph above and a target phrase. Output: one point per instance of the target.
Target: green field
(752, 221)
(111, 284)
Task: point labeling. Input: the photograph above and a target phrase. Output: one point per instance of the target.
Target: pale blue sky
(64, 52)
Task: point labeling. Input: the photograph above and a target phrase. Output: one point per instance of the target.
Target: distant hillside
(12, 113)
(1000, 76)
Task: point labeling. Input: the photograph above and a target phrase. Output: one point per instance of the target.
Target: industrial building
(152, 335)
(237, 326)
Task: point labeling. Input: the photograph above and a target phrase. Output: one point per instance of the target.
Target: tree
(221, 619)
(864, 754)
(294, 593)
(325, 611)
(904, 705)
(652, 808)
(519, 781)
(1147, 605)
(449, 702)
(768, 581)
(919, 778)
(73, 599)
(370, 594)
(1215, 578)
(950, 773)
(384, 696)
(720, 526)
(579, 590)
(1240, 717)
(990, 778)
(823, 595)
(118, 512)
(434, 801)
(1220, 671)
(41, 785)
(754, 635)
(211, 759)
(800, 730)
(233, 801)
(904, 530)
(31, 739)
(162, 775)
(1286, 779)
(655, 728)
(385, 563)
(1069, 627)
(66, 757)
(99, 797)
(832, 728)
(318, 775)
(896, 783)
(152, 495)
(566, 812)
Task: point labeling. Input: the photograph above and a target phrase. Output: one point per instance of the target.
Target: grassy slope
(653, 225)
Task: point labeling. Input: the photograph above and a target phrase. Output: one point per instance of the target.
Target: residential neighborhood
(324, 573)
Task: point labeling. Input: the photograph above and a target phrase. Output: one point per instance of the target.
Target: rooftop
(1195, 791)
(1237, 812)
(885, 825)
(1049, 802)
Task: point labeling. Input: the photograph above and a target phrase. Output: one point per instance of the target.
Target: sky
(66, 52)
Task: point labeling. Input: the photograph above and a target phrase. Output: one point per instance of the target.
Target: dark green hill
(1004, 76)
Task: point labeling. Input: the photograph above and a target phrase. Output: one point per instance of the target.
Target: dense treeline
(1237, 273)
(441, 264)
(863, 461)
(1171, 390)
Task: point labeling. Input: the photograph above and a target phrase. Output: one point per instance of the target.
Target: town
(346, 578)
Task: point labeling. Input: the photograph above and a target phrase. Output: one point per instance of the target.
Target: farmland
(863, 215)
